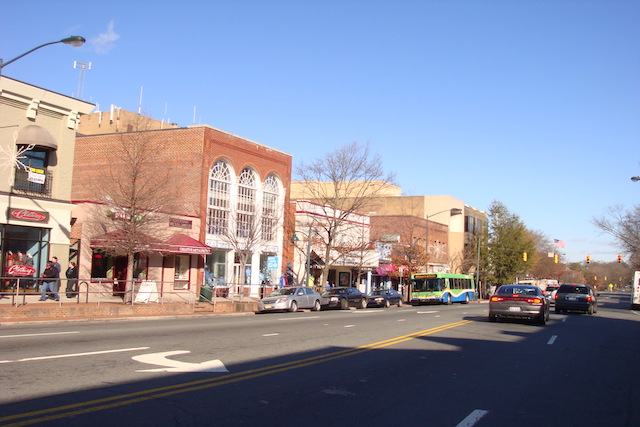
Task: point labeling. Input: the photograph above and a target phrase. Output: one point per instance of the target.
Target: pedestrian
(49, 282)
(57, 265)
(72, 280)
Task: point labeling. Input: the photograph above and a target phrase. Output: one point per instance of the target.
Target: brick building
(218, 219)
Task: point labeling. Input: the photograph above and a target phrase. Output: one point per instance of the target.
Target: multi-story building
(351, 259)
(37, 143)
(225, 198)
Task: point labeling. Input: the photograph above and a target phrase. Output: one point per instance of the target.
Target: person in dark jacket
(49, 284)
(72, 280)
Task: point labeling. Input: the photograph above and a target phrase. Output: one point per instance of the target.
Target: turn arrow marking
(169, 365)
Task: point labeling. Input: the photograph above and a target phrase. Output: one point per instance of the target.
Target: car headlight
(334, 298)
(281, 300)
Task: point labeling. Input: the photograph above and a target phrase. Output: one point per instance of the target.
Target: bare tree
(624, 226)
(343, 183)
(135, 193)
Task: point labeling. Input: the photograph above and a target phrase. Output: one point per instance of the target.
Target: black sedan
(576, 297)
(343, 298)
(519, 302)
(384, 298)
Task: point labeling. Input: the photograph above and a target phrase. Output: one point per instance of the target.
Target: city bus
(444, 288)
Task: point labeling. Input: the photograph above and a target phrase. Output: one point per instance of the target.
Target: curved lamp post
(294, 239)
(74, 41)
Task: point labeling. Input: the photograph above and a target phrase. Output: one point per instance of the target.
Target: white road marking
(169, 365)
(299, 318)
(402, 320)
(39, 335)
(270, 335)
(427, 312)
(472, 418)
(552, 339)
(349, 326)
(62, 356)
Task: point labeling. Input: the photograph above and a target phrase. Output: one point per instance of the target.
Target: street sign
(272, 263)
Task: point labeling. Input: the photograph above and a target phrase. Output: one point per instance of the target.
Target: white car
(290, 299)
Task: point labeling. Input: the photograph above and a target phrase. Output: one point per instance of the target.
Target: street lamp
(452, 212)
(294, 239)
(74, 41)
(635, 178)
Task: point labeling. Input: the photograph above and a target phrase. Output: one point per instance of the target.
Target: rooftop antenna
(140, 104)
(82, 66)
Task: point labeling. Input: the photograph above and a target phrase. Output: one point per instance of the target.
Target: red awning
(183, 244)
(115, 239)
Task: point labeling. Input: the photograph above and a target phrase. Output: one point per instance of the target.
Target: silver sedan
(519, 302)
(290, 299)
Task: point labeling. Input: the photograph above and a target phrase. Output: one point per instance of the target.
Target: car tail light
(555, 296)
(589, 298)
(496, 299)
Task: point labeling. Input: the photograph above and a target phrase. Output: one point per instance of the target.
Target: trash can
(206, 294)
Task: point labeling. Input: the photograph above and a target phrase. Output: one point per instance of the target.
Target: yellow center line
(79, 408)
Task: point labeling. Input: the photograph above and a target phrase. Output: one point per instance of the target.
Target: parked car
(384, 298)
(343, 297)
(519, 302)
(290, 299)
(576, 297)
(550, 293)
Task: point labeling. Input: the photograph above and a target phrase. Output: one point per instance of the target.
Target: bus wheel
(466, 299)
(447, 299)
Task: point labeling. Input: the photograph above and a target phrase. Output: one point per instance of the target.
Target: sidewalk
(29, 308)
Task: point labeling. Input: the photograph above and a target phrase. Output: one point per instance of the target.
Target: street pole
(73, 41)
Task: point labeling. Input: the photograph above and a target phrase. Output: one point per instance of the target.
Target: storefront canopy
(178, 244)
(183, 244)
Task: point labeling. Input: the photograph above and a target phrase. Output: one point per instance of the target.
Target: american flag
(558, 243)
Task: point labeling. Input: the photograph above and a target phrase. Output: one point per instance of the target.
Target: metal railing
(98, 290)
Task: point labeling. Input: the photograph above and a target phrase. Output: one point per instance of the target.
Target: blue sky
(532, 103)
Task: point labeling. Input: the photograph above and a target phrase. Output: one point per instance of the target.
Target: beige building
(37, 144)
(435, 209)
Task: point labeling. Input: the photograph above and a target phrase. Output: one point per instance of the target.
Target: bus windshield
(428, 284)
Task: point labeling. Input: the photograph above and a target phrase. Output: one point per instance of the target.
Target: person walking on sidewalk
(49, 284)
(72, 280)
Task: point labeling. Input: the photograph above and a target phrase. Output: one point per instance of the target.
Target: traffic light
(588, 259)
(524, 256)
(555, 258)
(619, 258)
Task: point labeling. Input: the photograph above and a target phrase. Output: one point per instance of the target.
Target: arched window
(245, 221)
(218, 200)
(269, 207)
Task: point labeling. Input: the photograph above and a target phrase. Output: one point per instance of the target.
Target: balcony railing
(22, 185)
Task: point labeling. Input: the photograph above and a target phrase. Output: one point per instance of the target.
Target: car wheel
(590, 310)
(542, 319)
(492, 318)
(447, 299)
(386, 303)
(294, 306)
(363, 303)
(316, 306)
(400, 302)
(558, 310)
(344, 304)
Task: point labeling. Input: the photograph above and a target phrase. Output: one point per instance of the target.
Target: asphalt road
(409, 366)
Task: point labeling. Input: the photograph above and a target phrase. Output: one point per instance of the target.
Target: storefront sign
(21, 270)
(28, 215)
(36, 176)
(180, 223)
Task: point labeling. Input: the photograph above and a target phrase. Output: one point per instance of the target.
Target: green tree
(508, 239)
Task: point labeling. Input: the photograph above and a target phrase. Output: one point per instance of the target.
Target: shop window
(33, 178)
(25, 254)
(215, 269)
(181, 271)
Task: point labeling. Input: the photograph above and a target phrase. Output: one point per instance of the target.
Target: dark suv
(576, 297)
